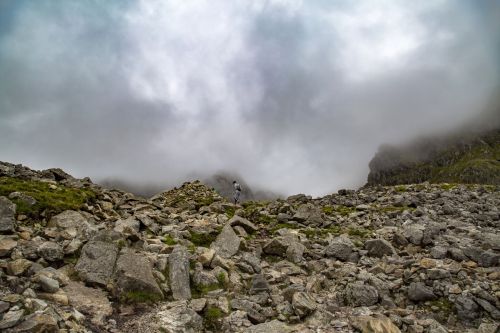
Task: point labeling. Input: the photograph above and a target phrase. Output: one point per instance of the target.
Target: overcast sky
(296, 96)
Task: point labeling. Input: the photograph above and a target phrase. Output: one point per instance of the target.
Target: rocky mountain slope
(471, 159)
(76, 257)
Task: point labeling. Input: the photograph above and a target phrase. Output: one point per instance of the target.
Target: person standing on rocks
(237, 192)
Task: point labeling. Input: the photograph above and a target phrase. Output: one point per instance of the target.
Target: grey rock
(466, 308)
(303, 304)
(96, 263)
(295, 252)
(276, 246)
(178, 264)
(438, 273)
(129, 226)
(457, 254)
(50, 251)
(47, 284)
(379, 248)
(227, 242)
(240, 221)
(309, 214)
(38, 323)
(4, 306)
(439, 252)
(30, 201)
(11, 318)
(273, 326)
(204, 279)
(488, 328)
(70, 219)
(488, 307)
(92, 301)
(357, 294)
(418, 292)
(7, 215)
(133, 274)
(340, 248)
(259, 284)
(6, 246)
(179, 318)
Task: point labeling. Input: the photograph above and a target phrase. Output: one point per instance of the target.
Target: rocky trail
(76, 257)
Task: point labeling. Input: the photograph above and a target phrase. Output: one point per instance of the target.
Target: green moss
(169, 240)
(202, 239)
(140, 297)
(344, 210)
(221, 278)
(328, 210)
(283, 225)
(441, 305)
(212, 316)
(266, 219)
(49, 200)
(447, 187)
(229, 210)
(359, 232)
(201, 291)
(400, 188)
(321, 232)
(191, 248)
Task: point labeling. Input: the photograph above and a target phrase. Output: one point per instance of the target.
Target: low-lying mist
(293, 96)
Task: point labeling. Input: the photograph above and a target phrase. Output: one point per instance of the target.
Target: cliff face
(469, 159)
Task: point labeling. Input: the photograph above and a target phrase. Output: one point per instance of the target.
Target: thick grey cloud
(295, 96)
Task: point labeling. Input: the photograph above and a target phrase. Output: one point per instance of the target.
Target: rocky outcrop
(472, 158)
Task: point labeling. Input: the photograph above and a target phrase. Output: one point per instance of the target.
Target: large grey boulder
(340, 248)
(418, 292)
(96, 263)
(358, 294)
(178, 264)
(134, 279)
(227, 242)
(276, 246)
(303, 304)
(273, 326)
(243, 222)
(177, 317)
(379, 248)
(466, 308)
(309, 214)
(93, 302)
(38, 323)
(7, 215)
(50, 251)
(71, 219)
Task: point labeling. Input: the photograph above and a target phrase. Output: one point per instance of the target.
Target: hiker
(237, 192)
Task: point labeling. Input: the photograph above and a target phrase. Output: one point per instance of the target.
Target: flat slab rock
(227, 242)
(89, 301)
(273, 326)
(7, 212)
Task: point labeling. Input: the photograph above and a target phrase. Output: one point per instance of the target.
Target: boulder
(38, 323)
(276, 246)
(48, 284)
(340, 248)
(6, 246)
(240, 221)
(90, 301)
(273, 326)
(96, 263)
(309, 214)
(227, 242)
(71, 219)
(11, 318)
(50, 251)
(178, 264)
(380, 324)
(134, 280)
(379, 248)
(466, 308)
(177, 317)
(18, 267)
(7, 215)
(295, 252)
(358, 294)
(418, 292)
(303, 304)
(259, 284)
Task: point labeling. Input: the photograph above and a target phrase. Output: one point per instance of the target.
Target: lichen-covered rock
(227, 242)
(358, 294)
(379, 248)
(179, 273)
(134, 280)
(96, 263)
(7, 215)
(419, 292)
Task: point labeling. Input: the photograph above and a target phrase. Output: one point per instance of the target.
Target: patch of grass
(442, 304)
(140, 297)
(359, 232)
(229, 210)
(49, 200)
(391, 209)
(169, 240)
(344, 210)
(328, 210)
(202, 239)
(201, 291)
(191, 248)
(447, 187)
(212, 316)
(221, 278)
(266, 219)
(400, 188)
(283, 225)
